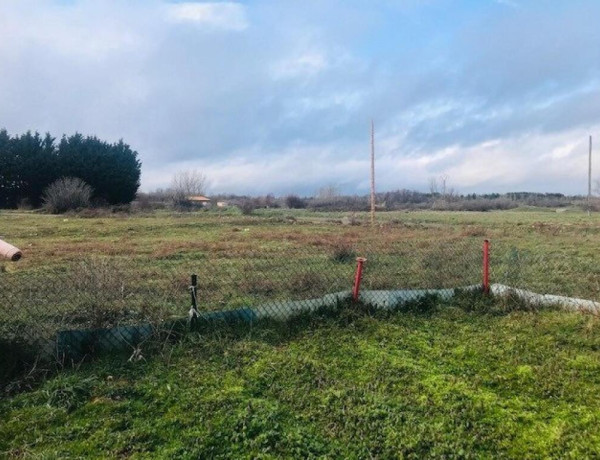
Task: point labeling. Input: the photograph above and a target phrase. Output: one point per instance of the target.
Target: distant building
(198, 200)
(222, 204)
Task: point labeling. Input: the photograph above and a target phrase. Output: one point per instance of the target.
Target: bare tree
(443, 184)
(445, 189)
(189, 183)
(185, 184)
(328, 192)
(440, 186)
(440, 190)
(433, 186)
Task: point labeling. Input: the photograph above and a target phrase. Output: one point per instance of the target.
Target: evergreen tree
(30, 162)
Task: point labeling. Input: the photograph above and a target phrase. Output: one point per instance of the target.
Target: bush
(592, 206)
(67, 194)
(480, 205)
(247, 207)
(295, 202)
(341, 203)
(24, 205)
(142, 203)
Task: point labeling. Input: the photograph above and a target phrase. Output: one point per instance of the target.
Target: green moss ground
(465, 379)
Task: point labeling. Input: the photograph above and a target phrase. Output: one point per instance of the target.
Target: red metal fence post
(359, 269)
(486, 267)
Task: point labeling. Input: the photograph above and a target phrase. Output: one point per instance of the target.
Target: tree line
(404, 199)
(30, 162)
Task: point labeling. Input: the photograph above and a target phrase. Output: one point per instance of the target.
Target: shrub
(94, 213)
(247, 207)
(67, 194)
(24, 205)
(121, 208)
(341, 203)
(480, 205)
(592, 206)
(142, 202)
(295, 202)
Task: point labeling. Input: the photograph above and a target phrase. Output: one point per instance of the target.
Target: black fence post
(194, 310)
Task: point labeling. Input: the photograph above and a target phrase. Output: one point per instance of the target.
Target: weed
(69, 391)
(342, 252)
(306, 282)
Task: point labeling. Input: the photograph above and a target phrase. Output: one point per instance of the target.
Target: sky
(277, 96)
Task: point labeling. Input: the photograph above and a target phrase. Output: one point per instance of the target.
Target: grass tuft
(343, 252)
(69, 391)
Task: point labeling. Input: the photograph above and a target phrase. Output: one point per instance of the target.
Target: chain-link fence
(102, 303)
(568, 277)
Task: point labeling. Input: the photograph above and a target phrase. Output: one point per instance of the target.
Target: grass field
(122, 269)
(470, 377)
(49, 239)
(160, 238)
(463, 379)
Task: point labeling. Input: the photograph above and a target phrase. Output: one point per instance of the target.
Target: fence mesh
(561, 275)
(101, 302)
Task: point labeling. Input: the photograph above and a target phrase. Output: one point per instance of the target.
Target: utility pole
(589, 197)
(372, 173)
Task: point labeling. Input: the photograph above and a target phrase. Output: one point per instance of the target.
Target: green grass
(162, 236)
(121, 269)
(464, 379)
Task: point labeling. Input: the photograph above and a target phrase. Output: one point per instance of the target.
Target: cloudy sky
(277, 95)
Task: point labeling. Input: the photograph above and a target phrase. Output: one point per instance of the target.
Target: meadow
(88, 270)
(460, 379)
(471, 376)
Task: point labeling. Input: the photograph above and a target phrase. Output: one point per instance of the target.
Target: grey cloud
(183, 93)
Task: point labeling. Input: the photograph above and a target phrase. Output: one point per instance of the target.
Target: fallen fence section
(394, 299)
(76, 343)
(568, 303)
(289, 309)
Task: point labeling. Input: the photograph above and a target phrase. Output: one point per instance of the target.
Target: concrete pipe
(9, 251)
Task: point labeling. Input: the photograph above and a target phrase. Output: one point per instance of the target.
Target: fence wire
(560, 276)
(101, 303)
